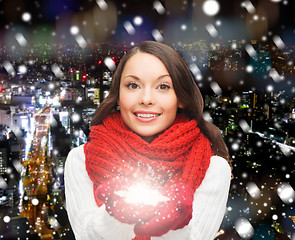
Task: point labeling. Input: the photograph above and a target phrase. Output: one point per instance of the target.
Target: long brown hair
(184, 85)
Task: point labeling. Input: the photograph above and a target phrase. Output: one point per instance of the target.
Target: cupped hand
(171, 215)
(116, 205)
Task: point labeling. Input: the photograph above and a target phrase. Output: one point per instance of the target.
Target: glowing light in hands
(142, 193)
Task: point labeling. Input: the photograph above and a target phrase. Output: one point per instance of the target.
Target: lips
(146, 116)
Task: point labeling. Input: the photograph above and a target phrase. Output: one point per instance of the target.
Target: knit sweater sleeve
(88, 221)
(209, 204)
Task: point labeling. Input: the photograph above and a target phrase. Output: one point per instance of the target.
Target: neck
(148, 139)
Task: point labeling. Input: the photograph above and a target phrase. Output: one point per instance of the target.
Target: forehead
(142, 62)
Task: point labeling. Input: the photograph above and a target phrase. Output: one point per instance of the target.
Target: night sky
(184, 21)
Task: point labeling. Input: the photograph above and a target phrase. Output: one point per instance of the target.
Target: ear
(180, 105)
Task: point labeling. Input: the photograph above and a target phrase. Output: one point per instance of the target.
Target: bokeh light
(211, 7)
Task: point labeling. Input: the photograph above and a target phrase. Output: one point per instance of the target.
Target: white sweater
(90, 222)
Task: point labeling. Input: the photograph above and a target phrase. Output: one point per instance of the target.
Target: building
(3, 160)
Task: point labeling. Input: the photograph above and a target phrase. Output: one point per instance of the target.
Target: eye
(164, 87)
(132, 86)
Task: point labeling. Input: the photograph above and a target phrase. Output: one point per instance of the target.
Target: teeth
(143, 115)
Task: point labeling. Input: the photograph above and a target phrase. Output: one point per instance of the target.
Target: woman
(150, 130)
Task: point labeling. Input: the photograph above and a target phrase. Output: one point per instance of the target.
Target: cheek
(172, 103)
(125, 101)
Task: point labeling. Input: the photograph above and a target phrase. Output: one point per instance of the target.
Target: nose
(147, 98)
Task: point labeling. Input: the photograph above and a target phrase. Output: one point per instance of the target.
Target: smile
(146, 117)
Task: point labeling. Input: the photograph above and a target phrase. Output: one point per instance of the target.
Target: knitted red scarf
(179, 154)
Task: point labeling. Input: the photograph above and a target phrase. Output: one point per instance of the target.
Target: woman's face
(147, 99)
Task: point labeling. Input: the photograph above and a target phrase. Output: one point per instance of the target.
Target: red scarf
(179, 154)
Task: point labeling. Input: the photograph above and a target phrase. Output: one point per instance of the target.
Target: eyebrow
(137, 78)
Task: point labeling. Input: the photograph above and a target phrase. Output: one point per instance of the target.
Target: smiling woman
(157, 146)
